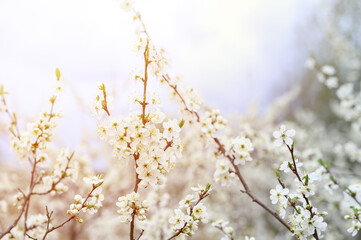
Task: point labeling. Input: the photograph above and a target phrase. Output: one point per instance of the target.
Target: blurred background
(233, 52)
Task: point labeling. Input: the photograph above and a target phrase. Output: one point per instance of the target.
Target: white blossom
(284, 136)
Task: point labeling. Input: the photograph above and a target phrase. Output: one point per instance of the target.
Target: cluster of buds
(190, 212)
(102, 100)
(36, 225)
(131, 205)
(64, 168)
(92, 202)
(212, 122)
(305, 220)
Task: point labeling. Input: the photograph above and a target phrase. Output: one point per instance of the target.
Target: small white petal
(282, 128)
(329, 70)
(278, 142)
(277, 134)
(285, 191)
(290, 133)
(288, 141)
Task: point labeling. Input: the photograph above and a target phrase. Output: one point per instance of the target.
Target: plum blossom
(284, 136)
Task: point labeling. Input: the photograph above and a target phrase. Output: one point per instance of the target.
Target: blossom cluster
(46, 176)
(345, 103)
(155, 148)
(194, 101)
(92, 202)
(37, 225)
(326, 74)
(225, 172)
(64, 167)
(16, 233)
(239, 147)
(212, 122)
(284, 136)
(35, 140)
(191, 211)
(305, 220)
(130, 206)
(352, 197)
(349, 100)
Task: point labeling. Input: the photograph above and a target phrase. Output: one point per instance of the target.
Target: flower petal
(278, 142)
(277, 134)
(290, 133)
(288, 141)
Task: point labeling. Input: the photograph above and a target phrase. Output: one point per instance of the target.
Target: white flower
(330, 186)
(177, 219)
(93, 180)
(356, 189)
(192, 99)
(171, 129)
(200, 212)
(285, 167)
(201, 189)
(328, 70)
(356, 226)
(283, 135)
(78, 198)
(316, 175)
(186, 201)
(319, 224)
(345, 91)
(332, 82)
(212, 122)
(305, 190)
(278, 194)
(242, 146)
(310, 63)
(36, 220)
(157, 117)
(224, 172)
(94, 201)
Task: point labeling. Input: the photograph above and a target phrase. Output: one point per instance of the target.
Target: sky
(233, 52)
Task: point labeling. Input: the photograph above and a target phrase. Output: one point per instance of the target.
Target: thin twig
(144, 121)
(67, 220)
(344, 189)
(63, 175)
(13, 120)
(222, 230)
(295, 171)
(27, 197)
